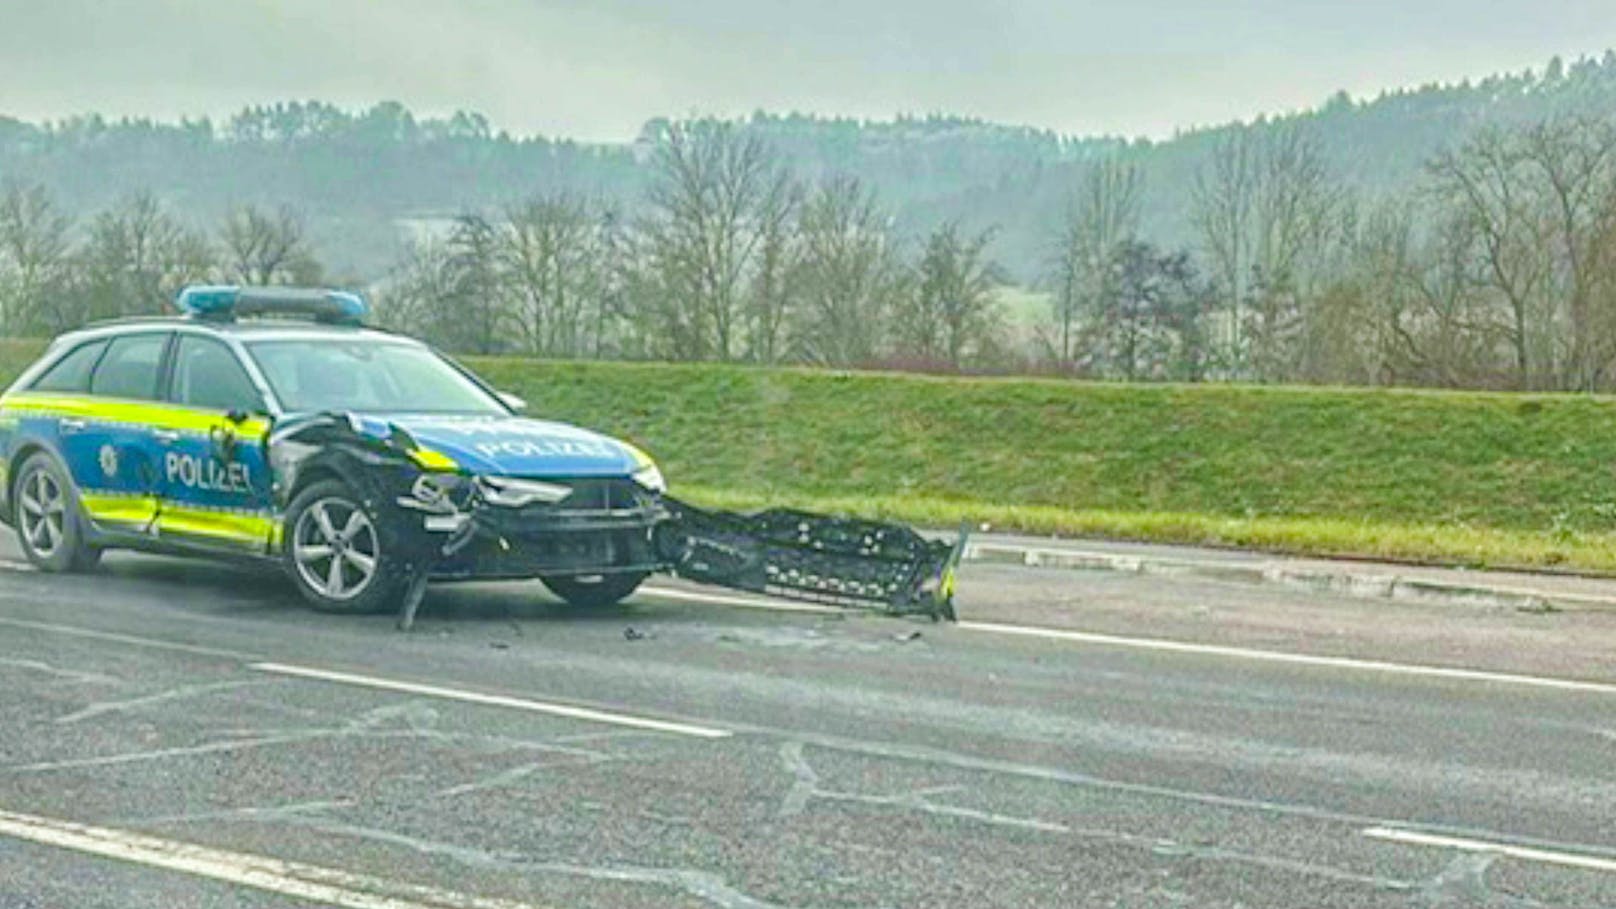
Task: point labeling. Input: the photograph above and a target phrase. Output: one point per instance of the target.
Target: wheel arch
(25, 451)
(328, 465)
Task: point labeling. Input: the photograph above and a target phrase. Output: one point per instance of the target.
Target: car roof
(271, 329)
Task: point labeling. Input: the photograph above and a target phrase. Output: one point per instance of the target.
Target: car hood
(513, 446)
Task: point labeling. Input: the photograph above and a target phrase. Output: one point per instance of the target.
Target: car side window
(207, 374)
(71, 373)
(129, 367)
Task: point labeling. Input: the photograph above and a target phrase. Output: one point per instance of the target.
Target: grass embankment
(1479, 479)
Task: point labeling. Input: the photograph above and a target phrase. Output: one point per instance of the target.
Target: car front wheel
(47, 518)
(593, 591)
(336, 551)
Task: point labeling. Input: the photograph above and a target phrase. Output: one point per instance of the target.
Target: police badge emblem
(109, 461)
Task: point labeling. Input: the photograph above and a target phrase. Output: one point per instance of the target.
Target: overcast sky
(596, 69)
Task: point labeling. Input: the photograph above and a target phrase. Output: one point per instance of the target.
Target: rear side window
(129, 368)
(71, 373)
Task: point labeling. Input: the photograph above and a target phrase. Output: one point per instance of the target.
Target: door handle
(166, 436)
(72, 424)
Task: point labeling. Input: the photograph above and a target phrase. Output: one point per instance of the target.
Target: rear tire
(50, 526)
(594, 591)
(337, 552)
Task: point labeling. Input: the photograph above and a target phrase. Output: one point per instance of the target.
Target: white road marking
(294, 879)
(719, 599)
(494, 700)
(115, 637)
(1276, 656)
(1159, 644)
(1525, 853)
(1034, 631)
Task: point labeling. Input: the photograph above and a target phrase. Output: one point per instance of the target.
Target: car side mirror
(514, 402)
(224, 440)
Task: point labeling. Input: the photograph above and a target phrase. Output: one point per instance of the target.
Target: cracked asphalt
(513, 753)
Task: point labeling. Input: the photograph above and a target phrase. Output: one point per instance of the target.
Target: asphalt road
(176, 734)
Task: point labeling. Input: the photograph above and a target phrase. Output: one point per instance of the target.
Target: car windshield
(384, 377)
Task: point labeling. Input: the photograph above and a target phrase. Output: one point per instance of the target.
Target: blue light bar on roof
(229, 301)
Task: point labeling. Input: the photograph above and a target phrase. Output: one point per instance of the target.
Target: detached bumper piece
(820, 559)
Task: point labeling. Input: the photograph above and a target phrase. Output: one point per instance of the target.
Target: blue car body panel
(512, 446)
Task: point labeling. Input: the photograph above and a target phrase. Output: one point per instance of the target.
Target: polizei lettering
(541, 448)
(206, 473)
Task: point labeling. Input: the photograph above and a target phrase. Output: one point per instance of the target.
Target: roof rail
(226, 302)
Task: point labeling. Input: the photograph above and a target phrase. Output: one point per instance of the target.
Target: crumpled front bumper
(614, 529)
(603, 526)
(816, 558)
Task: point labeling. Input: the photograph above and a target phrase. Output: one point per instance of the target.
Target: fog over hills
(358, 175)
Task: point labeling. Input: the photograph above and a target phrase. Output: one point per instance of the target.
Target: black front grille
(595, 503)
(575, 552)
(597, 494)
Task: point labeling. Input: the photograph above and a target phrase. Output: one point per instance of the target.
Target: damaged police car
(270, 423)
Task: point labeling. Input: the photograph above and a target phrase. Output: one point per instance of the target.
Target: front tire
(594, 591)
(337, 552)
(45, 509)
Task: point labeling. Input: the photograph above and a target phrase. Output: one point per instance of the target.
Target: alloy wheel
(335, 548)
(43, 512)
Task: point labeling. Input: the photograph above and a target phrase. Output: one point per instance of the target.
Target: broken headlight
(515, 493)
(434, 493)
(651, 478)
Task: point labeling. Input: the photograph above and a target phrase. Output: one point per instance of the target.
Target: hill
(357, 174)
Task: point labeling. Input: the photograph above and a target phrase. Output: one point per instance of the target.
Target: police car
(271, 423)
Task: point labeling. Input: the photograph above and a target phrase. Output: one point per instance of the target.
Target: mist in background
(595, 70)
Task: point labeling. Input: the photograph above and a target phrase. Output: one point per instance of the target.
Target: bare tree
(1486, 185)
(1572, 163)
(412, 299)
(453, 291)
(1269, 218)
(848, 275)
(716, 190)
(1222, 207)
(34, 258)
(951, 306)
(1151, 324)
(1100, 222)
(772, 295)
(268, 247)
(137, 257)
(552, 259)
(474, 314)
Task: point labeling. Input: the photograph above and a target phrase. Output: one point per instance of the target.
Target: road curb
(1344, 582)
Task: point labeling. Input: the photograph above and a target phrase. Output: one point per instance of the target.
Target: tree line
(354, 173)
(130, 259)
(1496, 269)
(729, 256)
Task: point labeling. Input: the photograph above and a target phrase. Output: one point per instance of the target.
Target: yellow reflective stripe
(641, 459)
(427, 459)
(123, 509)
(247, 528)
(153, 414)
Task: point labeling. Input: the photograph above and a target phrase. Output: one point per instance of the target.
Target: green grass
(1468, 478)
(1478, 479)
